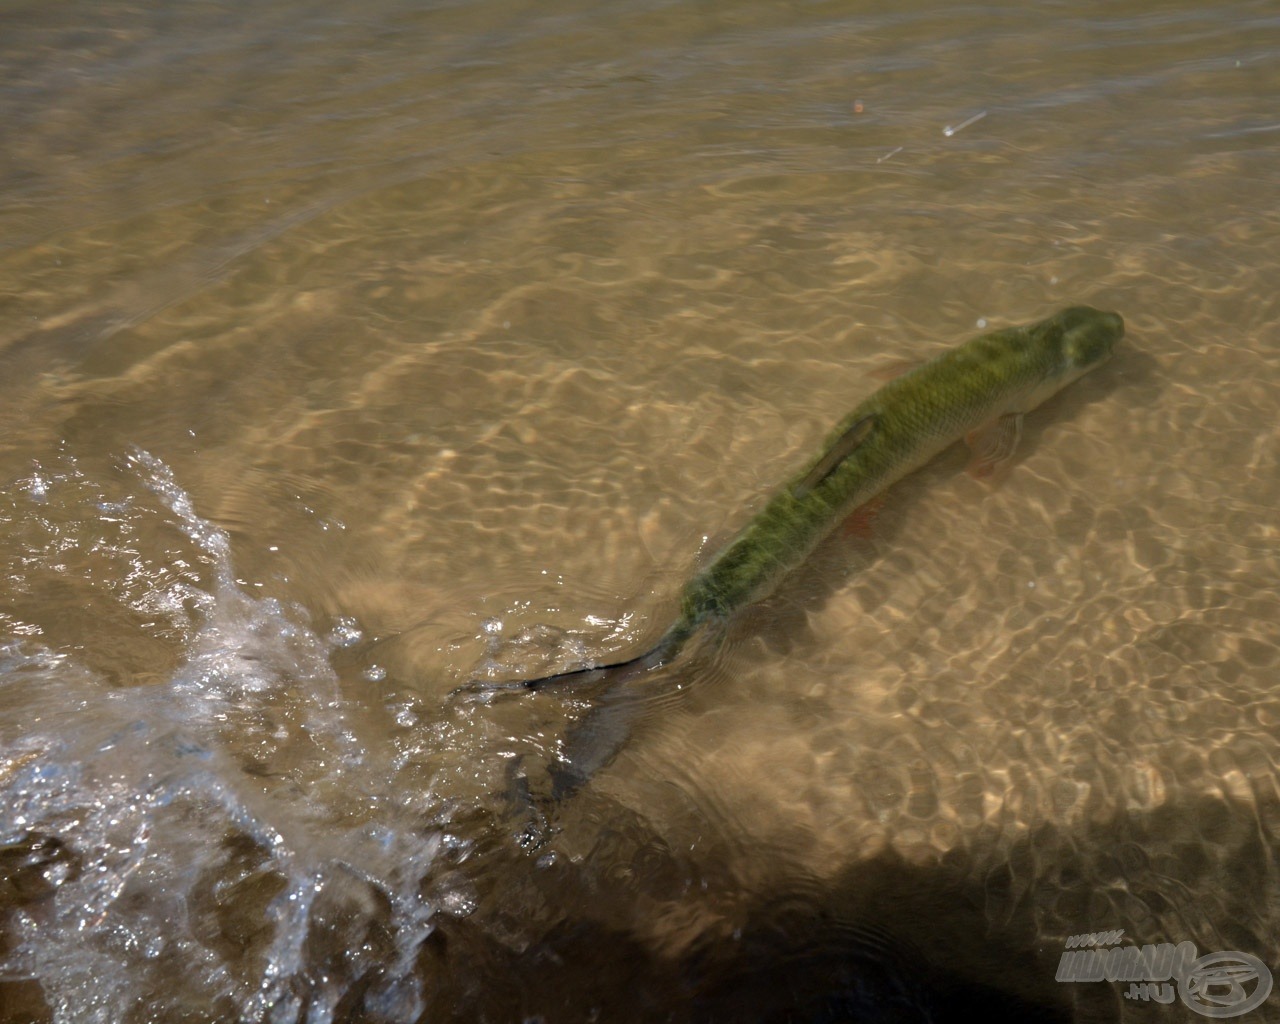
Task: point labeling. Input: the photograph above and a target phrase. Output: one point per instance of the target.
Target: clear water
(350, 352)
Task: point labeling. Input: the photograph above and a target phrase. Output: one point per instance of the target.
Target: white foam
(144, 784)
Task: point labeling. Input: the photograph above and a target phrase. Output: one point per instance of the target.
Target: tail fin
(592, 742)
(596, 738)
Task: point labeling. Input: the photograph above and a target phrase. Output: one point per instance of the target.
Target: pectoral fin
(861, 521)
(992, 447)
(845, 445)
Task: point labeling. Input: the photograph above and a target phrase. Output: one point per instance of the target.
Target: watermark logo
(1223, 984)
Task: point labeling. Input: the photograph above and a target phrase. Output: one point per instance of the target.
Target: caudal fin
(595, 739)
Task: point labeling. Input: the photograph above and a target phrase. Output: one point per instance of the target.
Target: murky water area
(353, 351)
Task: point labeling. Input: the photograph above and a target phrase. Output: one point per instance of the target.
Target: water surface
(352, 351)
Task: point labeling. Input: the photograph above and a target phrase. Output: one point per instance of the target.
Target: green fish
(978, 391)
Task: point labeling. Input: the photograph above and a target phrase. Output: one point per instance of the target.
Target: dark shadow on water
(978, 934)
(845, 952)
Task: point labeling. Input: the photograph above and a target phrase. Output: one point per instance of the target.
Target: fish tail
(593, 741)
(614, 672)
(592, 675)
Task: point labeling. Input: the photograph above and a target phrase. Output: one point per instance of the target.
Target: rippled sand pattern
(354, 351)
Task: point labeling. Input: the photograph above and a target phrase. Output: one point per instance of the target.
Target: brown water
(351, 351)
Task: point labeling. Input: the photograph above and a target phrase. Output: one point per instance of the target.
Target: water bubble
(457, 896)
(346, 632)
(37, 486)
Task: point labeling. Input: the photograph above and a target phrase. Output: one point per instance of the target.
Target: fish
(978, 391)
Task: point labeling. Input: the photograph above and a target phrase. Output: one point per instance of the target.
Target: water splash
(219, 839)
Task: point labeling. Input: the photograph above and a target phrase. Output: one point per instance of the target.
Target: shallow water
(354, 351)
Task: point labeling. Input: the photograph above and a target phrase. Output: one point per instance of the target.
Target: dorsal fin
(844, 446)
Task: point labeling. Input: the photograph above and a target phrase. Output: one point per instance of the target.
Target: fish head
(1059, 350)
(1078, 339)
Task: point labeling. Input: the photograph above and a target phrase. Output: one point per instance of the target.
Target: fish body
(977, 391)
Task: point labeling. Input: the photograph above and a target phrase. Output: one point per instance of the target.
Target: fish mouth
(1112, 328)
